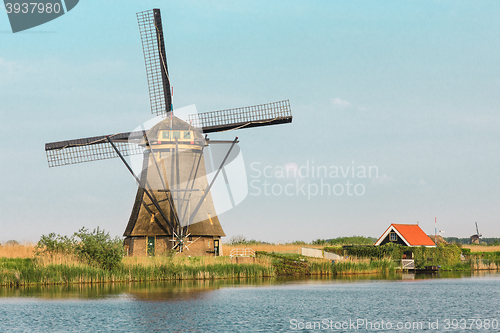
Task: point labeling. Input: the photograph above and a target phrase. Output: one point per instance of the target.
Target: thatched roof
(440, 240)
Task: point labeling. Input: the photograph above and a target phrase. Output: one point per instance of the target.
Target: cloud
(337, 102)
(9, 71)
(382, 180)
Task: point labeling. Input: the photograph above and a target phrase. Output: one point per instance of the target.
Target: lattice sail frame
(92, 149)
(244, 117)
(155, 58)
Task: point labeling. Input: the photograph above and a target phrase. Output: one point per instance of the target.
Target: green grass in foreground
(294, 264)
(15, 272)
(349, 267)
(27, 271)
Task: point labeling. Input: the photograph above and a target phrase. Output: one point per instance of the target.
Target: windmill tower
(173, 208)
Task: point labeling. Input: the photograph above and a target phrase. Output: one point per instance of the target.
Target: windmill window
(177, 135)
(393, 237)
(165, 135)
(187, 135)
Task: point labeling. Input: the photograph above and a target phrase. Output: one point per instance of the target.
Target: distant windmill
(474, 239)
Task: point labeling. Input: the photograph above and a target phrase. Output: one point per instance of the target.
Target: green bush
(95, 248)
(53, 243)
(353, 240)
(448, 255)
(241, 240)
(337, 250)
(394, 251)
(466, 252)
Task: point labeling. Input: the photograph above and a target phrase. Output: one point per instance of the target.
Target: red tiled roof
(413, 235)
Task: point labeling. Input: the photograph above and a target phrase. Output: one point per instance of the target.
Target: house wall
(387, 240)
(137, 246)
(202, 246)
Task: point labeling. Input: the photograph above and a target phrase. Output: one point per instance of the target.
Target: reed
(47, 259)
(352, 267)
(26, 250)
(67, 270)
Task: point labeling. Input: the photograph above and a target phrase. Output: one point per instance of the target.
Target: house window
(393, 237)
(187, 135)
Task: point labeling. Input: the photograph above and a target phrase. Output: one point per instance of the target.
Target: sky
(408, 90)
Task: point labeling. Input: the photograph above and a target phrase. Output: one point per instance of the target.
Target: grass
(20, 266)
(17, 271)
(352, 267)
(17, 251)
(59, 269)
(27, 250)
(482, 248)
(294, 264)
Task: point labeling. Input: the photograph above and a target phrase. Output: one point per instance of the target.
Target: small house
(406, 235)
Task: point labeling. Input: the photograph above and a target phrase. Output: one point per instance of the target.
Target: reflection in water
(264, 305)
(197, 289)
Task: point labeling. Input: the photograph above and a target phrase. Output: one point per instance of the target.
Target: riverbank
(66, 269)
(19, 272)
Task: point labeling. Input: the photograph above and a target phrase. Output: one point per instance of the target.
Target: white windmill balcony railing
(408, 263)
(242, 252)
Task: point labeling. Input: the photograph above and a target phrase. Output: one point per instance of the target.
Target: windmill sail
(244, 117)
(175, 202)
(93, 148)
(155, 58)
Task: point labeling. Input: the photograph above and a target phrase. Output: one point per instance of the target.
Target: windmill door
(216, 247)
(151, 246)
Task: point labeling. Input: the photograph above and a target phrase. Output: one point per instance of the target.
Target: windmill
(474, 239)
(174, 207)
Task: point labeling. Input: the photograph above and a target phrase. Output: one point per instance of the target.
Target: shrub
(241, 240)
(466, 251)
(95, 248)
(337, 250)
(53, 243)
(353, 240)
